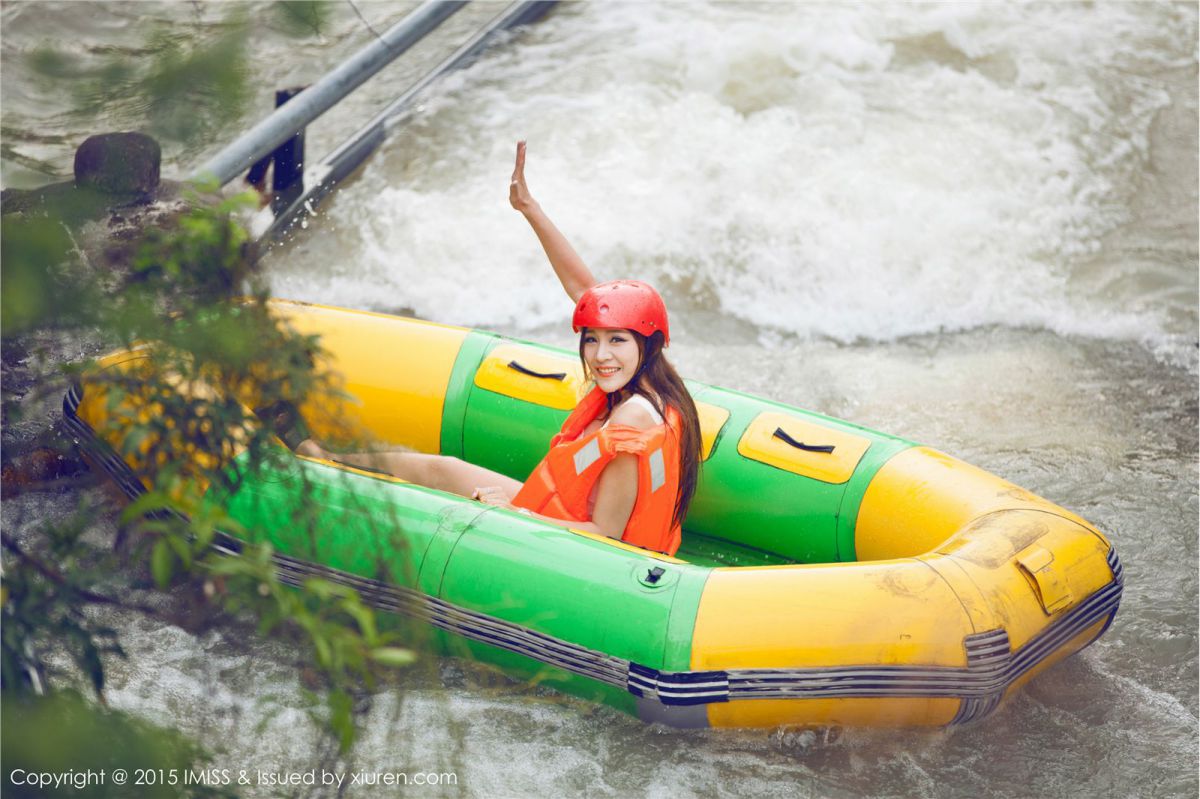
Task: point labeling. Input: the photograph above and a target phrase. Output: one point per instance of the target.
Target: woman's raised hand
(518, 193)
(572, 272)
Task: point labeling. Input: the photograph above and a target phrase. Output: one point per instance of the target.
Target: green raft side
(361, 528)
(799, 518)
(462, 379)
(747, 512)
(509, 581)
(501, 433)
(576, 589)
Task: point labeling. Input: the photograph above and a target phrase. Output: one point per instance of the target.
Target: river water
(973, 225)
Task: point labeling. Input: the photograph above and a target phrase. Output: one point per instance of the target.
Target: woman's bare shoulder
(634, 413)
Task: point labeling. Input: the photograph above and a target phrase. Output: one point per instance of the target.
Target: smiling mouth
(607, 371)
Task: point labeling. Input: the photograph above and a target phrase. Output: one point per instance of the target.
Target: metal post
(288, 120)
(348, 156)
(289, 156)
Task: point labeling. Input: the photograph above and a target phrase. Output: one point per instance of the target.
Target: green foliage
(182, 88)
(206, 257)
(30, 252)
(190, 92)
(342, 632)
(95, 739)
(211, 351)
(303, 17)
(43, 609)
(182, 410)
(51, 63)
(209, 257)
(179, 88)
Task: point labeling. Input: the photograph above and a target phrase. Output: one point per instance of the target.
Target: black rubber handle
(546, 376)
(826, 448)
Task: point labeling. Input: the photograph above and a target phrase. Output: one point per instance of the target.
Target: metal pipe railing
(349, 155)
(325, 93)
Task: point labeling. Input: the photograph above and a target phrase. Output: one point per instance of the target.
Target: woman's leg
(443, 472)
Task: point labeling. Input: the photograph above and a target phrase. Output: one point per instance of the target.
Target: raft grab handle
(781, 433)
(544, 375)
(1043, 573)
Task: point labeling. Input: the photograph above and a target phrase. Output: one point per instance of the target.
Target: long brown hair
(666, 388)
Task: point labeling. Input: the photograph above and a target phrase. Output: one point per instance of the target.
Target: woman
(626, 462)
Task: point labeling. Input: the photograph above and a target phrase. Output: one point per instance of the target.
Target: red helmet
(630, 304)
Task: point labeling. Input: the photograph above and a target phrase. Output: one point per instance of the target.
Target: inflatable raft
(829, 574)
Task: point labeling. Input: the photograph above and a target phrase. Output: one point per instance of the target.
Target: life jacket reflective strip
(562, 483)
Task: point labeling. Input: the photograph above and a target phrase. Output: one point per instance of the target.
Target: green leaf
(181, 549)
(157, 527)
(133, 441)
(227, 566)
(325, 589)
(363, 617)
(147, 503)
(321, 589)
(341, 717)
(301, 17)
(324, 655)
(162, 563)
(31, 248)
(393, 656)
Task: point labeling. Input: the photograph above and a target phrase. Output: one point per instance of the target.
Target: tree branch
(58, 578)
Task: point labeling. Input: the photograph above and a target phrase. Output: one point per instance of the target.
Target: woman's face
(612, 356)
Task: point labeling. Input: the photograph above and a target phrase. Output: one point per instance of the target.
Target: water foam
(836, 172)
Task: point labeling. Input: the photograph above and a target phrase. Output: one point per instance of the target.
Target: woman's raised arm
(572, 272)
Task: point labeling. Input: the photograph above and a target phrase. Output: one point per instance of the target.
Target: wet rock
(118, 163)
(40, 467)
(117, 195)
(113, 172)
(99, 221)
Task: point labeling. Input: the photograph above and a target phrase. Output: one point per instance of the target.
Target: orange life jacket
(562, 483)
